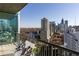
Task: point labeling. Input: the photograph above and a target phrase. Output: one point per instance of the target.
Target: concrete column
(18, 22)
(18, 33)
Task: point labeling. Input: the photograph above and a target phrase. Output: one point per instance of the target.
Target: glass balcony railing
(8, 28)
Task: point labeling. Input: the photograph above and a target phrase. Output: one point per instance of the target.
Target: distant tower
(66, 25)
(45, 32)
(58, 28)
(52, 28)
(62, 25)
(62, 21)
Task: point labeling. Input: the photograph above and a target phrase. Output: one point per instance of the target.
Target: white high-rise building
(52, 28)
(45, 30)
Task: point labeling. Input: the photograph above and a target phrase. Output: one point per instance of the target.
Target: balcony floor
(8, 49)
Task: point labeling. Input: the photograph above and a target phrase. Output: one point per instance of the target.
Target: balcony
(9, 26)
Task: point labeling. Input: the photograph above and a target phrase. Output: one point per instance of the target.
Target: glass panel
(8, 29)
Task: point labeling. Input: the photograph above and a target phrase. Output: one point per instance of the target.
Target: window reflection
(8, 29)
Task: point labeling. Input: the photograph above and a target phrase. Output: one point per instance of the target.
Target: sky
(31, 14)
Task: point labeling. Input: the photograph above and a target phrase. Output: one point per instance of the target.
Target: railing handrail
(60, 47)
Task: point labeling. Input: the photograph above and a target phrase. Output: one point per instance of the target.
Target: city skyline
(32, 14)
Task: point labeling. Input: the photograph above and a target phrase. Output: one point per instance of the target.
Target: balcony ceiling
(11, 7)
(7, 10)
